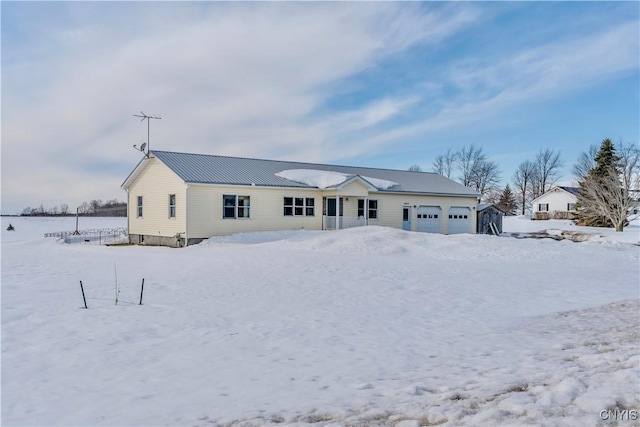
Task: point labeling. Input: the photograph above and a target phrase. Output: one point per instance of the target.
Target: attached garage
(460, 220)
(429, 218)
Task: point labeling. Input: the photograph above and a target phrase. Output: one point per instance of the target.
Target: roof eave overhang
(303, 187)
(134, 173)
(421, 193)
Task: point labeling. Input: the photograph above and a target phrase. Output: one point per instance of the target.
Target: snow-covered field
(366, 326)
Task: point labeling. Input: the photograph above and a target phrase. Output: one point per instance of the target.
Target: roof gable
(572, 191)
(356, 178)
(212, 169)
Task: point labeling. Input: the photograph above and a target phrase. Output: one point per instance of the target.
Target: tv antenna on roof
(148, 119)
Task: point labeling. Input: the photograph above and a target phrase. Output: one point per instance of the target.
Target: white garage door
(460, 220)
(429, 219)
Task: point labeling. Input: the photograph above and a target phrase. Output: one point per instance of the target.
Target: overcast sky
(370, 84)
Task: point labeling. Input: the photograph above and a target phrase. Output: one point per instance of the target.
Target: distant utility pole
(147, 118)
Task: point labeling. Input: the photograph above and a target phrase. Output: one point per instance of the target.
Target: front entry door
(406, 218)
(329, 210)
(331, 207)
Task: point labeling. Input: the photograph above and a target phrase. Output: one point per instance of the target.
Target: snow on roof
(324, 179)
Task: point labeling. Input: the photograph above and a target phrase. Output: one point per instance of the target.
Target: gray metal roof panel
(213, 169)
(573, 190)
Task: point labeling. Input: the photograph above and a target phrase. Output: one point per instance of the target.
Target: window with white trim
(172, 205)
(310, 206)
(235, 207)
(571, 206)
(139, 207)
(543, 207)
(299, 206)
(372, 211)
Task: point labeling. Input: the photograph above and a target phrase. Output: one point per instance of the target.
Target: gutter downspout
(186, 225)
(128, 225)
(337, 210)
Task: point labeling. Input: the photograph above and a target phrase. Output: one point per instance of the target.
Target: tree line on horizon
(608, 180)
(95, 207)
(471, 167)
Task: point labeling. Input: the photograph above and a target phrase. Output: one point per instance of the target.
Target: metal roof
(213, 169)
(573, 190)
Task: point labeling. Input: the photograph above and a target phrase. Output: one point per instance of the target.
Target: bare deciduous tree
(469, 160)
(444, 163)
(415, 168)
(522, 179)
(476, 171)
(486, 176)
(586, 162)
(547, 171)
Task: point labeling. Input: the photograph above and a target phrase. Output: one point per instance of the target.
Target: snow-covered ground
(366, 326)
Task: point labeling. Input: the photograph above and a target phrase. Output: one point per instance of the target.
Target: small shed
(489, 219)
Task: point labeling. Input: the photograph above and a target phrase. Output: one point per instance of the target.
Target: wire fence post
(141, 291)
(83, 298)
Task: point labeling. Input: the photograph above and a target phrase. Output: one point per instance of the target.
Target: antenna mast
(147, 118)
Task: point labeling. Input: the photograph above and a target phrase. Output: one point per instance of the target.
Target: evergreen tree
(508, 203)
(605, 159)
(605, 162)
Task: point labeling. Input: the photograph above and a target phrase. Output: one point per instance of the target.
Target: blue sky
(374, 84)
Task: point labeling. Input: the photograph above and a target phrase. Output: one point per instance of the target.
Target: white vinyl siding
(154, 184)
(555, 200)
(266, 210)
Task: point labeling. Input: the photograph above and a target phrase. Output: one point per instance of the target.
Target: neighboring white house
(178, 199)
(557, 203)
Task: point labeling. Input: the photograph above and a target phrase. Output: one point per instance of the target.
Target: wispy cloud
(243, 79)
(486, 91)
(264, 80)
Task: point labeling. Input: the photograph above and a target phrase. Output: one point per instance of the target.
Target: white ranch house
(178, 199)
(557, 203)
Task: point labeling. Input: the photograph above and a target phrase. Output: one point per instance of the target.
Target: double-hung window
(234, 207)
(543, 207)
(299, 206)
(371, 211)
(172, 205)
(139, 207)
(571, 206)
